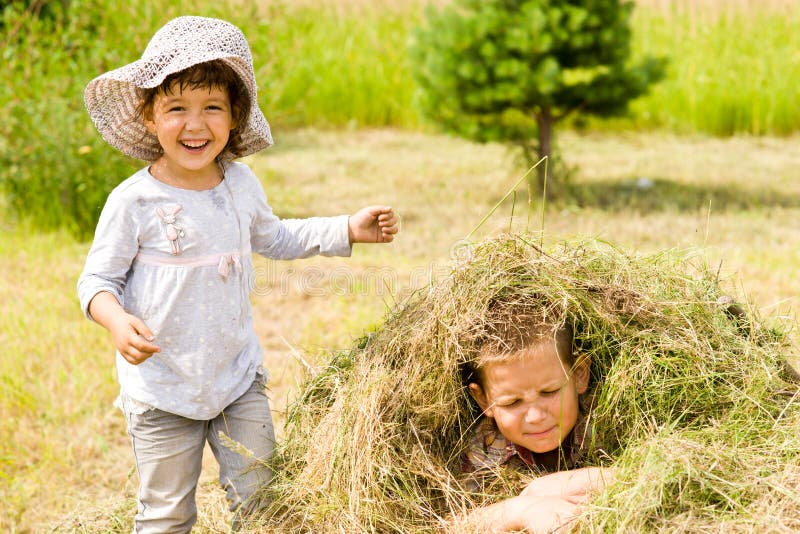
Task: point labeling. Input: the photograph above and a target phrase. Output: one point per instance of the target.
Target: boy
(529, 385)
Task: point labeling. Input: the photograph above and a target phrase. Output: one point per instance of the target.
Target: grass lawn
(65, 462)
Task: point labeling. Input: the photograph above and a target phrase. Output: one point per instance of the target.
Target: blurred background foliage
(733, 69)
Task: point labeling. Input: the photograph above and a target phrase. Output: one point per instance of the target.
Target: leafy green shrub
(54, 168)
(509, 70)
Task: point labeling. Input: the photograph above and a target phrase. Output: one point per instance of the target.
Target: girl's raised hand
(373, 224)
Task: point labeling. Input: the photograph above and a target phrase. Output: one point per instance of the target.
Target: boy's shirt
(489, 451)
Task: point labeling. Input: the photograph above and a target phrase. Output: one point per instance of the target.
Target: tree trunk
(544, 120)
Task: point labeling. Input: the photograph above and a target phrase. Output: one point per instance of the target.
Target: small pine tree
(509, 70)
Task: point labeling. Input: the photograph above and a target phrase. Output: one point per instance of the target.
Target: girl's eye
(550, 393)
(175, 108)
(510, 404)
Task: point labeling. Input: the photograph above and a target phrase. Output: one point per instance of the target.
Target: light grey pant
(169, 451)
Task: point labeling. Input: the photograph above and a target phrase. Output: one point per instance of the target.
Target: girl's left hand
(373, 224)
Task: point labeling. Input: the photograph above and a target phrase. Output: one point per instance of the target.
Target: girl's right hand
(133, 339)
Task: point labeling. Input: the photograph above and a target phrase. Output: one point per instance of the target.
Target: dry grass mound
(693, 400)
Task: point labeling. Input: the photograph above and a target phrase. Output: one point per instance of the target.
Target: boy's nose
(534, 413)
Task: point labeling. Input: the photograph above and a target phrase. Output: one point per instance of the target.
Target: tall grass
(343, 63)
(734, 66)
(334, 67)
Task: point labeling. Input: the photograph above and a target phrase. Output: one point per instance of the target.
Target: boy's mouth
(194, 146)
(541, 434)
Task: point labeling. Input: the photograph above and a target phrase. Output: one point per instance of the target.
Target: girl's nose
(194, 122)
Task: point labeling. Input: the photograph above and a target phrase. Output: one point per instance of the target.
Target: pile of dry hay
(694, 403)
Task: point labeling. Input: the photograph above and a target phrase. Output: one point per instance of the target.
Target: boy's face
(533, 398)
(193, 126)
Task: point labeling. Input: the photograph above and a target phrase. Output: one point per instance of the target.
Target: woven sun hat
(112, 100)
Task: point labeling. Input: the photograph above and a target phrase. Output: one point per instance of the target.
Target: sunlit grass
(733, 66)
(63, 441)
(56, 374)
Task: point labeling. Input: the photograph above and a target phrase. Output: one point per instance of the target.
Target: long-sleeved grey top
(181, 261)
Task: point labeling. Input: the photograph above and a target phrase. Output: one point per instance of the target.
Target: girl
(170, 270)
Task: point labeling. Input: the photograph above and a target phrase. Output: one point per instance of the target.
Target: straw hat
(111, 98)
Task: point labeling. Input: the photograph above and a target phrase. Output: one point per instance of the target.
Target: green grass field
(65, 461)
(652, 181)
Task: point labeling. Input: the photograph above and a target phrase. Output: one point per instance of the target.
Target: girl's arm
(300, 238)
(576, 485)
(133, 339)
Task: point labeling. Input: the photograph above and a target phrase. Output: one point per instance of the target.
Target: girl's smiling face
(193, 126)
(533, 396)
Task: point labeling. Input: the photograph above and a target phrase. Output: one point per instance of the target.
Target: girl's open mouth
(194, 146)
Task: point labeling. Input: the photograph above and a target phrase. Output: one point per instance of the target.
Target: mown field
(66, 461)
(346, 135)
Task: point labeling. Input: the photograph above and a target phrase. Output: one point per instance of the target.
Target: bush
(56, 170)
(501, 70)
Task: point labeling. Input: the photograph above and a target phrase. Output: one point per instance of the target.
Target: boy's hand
(576, 486)
(523, 513)
(133, 339)
(373, 224)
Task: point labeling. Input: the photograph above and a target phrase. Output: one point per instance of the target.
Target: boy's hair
(510, 331)
(211, 74)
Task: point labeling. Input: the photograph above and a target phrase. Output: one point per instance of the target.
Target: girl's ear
(150, 125)
(581, 372)
(477, 393)
(147, 117)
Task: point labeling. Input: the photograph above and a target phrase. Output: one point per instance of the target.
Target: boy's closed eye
(551, 392)
(512, 402)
